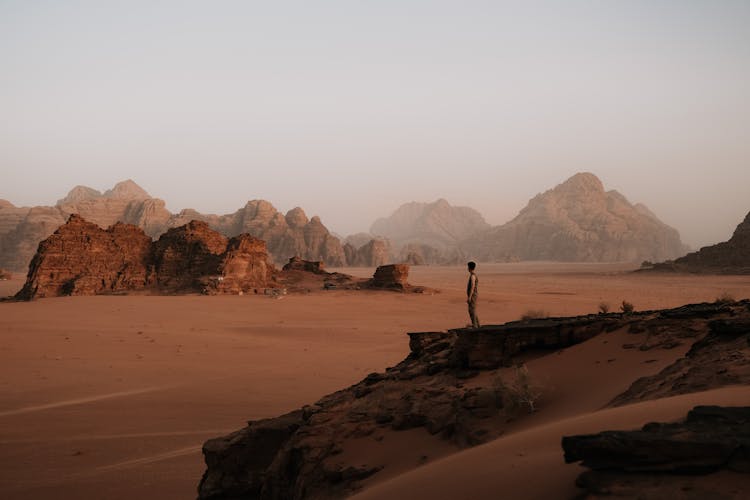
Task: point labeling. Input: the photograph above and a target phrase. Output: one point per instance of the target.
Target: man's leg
(473, 314)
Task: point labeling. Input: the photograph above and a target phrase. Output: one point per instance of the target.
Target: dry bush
(521, 392)
(534, 314)
(603, 308)
(725, 298)
(627, 307)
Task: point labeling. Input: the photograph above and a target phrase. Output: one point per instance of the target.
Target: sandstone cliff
(293, 234)
(81, 258)
(731, 256)
(579, 221)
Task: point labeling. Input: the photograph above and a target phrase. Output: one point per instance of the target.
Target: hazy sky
(350, 108)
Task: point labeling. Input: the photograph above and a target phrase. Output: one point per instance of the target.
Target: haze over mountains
(576, 221)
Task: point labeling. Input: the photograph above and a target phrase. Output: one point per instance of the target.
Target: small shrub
(627, 307)
(603, 308)
(725, 298)
(534, 314)
(523, 392)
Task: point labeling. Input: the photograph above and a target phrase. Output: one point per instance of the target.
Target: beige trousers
(473, 313)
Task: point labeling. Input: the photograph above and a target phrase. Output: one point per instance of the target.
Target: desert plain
(112, 397)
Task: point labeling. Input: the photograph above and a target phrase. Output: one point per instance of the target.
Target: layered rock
(729, 257)
(447, 387)
(666, 459)
(720, 358)
(391, 276)
(579, 221)
(81, 258)
(21, 229)
(183, 256)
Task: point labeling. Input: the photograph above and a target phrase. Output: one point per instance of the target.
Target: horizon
(350, 111)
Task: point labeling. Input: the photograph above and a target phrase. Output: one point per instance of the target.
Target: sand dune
(530, 464)
(112, 397)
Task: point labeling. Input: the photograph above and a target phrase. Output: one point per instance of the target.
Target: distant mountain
(578, 221)
(729, 257)
(293, 234)
(438, 224)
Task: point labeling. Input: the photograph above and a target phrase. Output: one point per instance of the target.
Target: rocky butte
(81, 258)
(449, 388)
(293, 234)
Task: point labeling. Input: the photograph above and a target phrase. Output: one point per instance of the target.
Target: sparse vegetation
(725, 298)
(603, 308)
(522, 391)
(534, 314)
(627, 307)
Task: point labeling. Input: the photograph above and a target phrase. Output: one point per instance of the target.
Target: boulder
(663, 458)
(391, 276)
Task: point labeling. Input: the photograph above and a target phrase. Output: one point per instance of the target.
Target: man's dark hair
(472, 265)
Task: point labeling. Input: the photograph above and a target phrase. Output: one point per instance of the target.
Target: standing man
(472, 292)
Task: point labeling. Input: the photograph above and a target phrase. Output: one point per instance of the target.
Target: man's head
(472, 265)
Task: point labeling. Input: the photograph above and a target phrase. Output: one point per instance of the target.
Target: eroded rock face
(391, 276)
(662, 459)
(579, 221)
(186, 254)
(731, 256)
(81, 258)
(21, 229)
(720, 358)
(447, 386)
(297, 264)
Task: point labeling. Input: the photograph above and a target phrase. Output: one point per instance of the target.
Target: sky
(351, 108)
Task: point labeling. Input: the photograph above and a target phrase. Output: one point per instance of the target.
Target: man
(472, 292)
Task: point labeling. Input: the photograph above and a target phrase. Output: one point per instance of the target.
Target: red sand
(111, 397)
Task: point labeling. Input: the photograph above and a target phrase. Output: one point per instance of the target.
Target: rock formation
(392, 276)
(729, 257)
(579, 221)
(21, 229)
(664, 460)
(81, 258)
(437, 224)
(5, 275)
(184, 255)
(726, 346)
(446, 386)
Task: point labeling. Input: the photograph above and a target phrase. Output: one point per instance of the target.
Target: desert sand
(112, 396)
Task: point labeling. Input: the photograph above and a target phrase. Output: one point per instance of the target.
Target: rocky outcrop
(81, 258)
(663, 459)
(244, 266)
(447, 386)
(21, 229)
(579, 221)
(720, 358)
(297, 264)
(729, 257)
(183, 256)
(391, 276)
